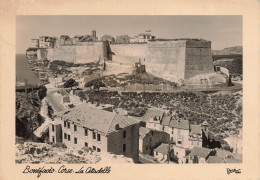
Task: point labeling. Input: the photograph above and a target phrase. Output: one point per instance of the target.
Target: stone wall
(83, 53)
(166, 59)
(182, 59)
(129, 52)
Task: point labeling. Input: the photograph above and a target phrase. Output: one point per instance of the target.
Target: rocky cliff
(28, 116)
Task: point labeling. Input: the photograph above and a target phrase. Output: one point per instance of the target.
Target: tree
(70, 83)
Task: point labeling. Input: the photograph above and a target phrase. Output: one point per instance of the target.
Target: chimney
(117, 127)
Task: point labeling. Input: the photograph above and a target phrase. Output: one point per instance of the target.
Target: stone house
(161, 152)
(199, 155)
(150, 139)
(65, 40)
(47, 42)
(100, 130)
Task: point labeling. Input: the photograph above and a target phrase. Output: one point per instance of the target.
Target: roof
(200, 151)
(195, 129)
(151, 113)
(163, 148)
(107, 36)
(215, 159)
(96, 119)
(166, 120)
(222, 153)
(143, 131)
(179, 124)
(205, 123)
(141, 34)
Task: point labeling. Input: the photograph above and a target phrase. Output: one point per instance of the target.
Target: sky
(222, 31)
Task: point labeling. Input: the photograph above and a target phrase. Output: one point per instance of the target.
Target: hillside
(228, 51)
(28, 116)
(29, 152)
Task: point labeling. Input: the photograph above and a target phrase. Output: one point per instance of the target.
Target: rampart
(179, 59)
(83, 53)
(130, 52)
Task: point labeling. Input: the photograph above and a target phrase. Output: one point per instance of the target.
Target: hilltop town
(143, 99)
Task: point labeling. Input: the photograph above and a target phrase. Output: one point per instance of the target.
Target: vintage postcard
(136, 94)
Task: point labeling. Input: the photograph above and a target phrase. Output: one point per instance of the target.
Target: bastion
(179, 59)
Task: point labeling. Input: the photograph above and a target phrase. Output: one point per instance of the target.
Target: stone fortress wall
(188, 60)
(83, 53)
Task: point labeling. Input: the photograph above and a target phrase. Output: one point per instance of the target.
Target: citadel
(187, 62)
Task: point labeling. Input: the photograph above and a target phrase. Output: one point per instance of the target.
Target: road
(54, 98)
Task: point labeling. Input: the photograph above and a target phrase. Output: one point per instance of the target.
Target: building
(212, 156)
(108, 38)
(161, 153)
(199, 155)
(150, 139)
(123, 39)
(145, 37)
(181, 132)
(47, 42)
(101, 130)
(65, 40)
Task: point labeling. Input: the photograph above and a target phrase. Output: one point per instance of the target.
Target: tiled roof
(123, 121)
(179, 124)
(96, 119)
(195, 129)
(143, 131)
(223, 153)
(166, 120)
(215, 159)
(151, 113)
(163, 148)
(200, 151)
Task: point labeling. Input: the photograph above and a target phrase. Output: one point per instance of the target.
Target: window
(124, 134)
(53, 139)
(68, 137)
(75, 127)
(94, 148)
(191, 142)
(52, 127)
(68, 125)
(86, 132)
(98, 137)
(64, 123)
(94, 135)
(65, 136)
(124, 147)
(156, 153)
(75, 140)
(98, 150)
(154, 125)
(86, 144)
